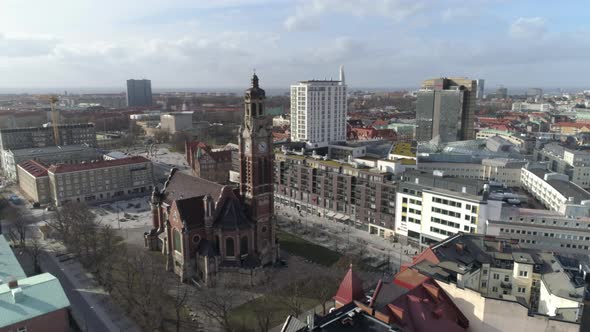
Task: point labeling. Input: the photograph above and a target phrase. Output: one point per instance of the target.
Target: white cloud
(528, 27)
(308, 13)
(26, 46)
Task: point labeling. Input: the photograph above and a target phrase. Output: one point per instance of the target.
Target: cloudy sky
(214, 44)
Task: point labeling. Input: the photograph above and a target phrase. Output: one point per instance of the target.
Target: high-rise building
(502, 93)
(480, 88)
(445, 110)
(139, 93)
(318, 111)
(534, 93)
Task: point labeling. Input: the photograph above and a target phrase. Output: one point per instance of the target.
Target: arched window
(177, 242)
(244, 245)
(217, 244)
(253, 111)
(229, 247)
(264, 229)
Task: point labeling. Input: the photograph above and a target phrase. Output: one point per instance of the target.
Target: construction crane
(54, 119)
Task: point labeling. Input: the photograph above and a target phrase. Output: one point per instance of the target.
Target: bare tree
(142, 290)
(264, 310)
(18, 224)
(180, 299)
(323, 288)
(293, 297)
(216, 304)
(34, 247)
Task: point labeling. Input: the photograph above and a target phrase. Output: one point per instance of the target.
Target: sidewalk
(95, 297)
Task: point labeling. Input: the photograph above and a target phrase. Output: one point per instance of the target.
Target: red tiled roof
(34, 168)
(570, 124)
(409, 278)
(65, 168)
(351, 288)
(426, 307)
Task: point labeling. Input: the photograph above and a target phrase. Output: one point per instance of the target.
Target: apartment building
(87, 182)
(431, 207)
(339, 191)
(37, 137)
(542, 230)
(318, 111)
(501, 286)
(571, 162)
(67, 154)
(555, 191)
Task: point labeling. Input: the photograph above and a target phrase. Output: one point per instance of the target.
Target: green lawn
(246, 314)
(313, 252)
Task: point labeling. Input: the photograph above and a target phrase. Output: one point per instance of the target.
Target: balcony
(506, 285)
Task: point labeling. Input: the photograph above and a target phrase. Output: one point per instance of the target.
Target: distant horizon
(271, 91)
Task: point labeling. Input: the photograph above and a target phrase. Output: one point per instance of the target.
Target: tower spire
(254, 79)
(342, 74)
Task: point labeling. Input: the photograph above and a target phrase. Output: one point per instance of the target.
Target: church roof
(191, 210)
(351, 288)
(231, 216)
(181, 186)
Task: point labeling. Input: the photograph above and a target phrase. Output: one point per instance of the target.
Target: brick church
(209, 230)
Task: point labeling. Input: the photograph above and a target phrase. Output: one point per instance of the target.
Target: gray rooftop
(51, 150)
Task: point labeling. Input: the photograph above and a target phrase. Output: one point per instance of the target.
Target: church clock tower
(256, 170)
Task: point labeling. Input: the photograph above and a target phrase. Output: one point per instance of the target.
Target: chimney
(460, 247)
(464, 190)
(13, 284)
(417, 181)
(17, 294)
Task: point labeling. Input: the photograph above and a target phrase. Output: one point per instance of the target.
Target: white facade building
(556, 192)
(430, 209)
(318, 111)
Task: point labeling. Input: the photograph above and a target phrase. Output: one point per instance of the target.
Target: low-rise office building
(38, 137)
(339, 191)
(555, 191)
(503, 170)
(67, 154)
(431, 207)
(87, 182)
(542, 229)
(177, 121)
(572, 162)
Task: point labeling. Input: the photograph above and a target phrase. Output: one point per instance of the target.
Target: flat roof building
(36, 303)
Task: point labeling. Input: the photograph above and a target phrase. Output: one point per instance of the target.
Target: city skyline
(384, 43)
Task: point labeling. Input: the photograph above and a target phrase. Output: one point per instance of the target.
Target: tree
(293, 297)
(264, 309)
(216, 304)
(161, 136)
(323, 288)
(180, 300)
(34, 247)
(18, 224)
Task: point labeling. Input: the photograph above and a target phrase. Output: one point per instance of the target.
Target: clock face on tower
(262, 147)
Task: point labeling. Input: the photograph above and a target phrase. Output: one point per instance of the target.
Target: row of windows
(444, 222)
(446, 202)
(555, 235)
(446, 212)
(441, 231)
